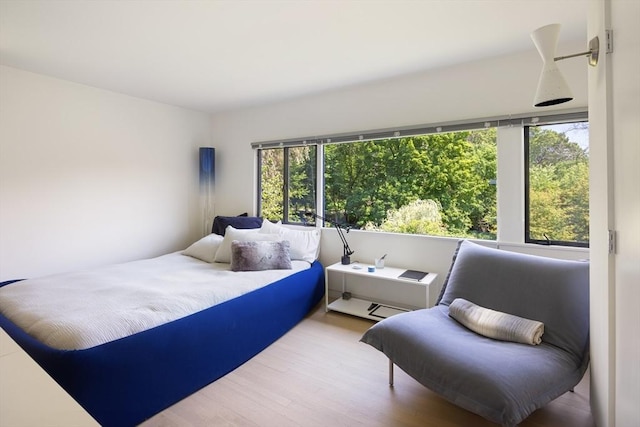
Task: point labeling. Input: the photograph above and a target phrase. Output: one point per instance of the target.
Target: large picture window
(438, 180)
(439, 184)
(557, 184)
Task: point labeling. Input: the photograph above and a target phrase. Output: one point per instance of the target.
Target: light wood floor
(319, 374)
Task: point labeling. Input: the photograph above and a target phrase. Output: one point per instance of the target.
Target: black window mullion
(285, 187)
(259, 194)
(527, 201)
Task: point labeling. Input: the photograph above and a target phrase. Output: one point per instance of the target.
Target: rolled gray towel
(496, 324)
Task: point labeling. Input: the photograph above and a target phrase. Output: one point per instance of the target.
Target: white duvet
(78, 310)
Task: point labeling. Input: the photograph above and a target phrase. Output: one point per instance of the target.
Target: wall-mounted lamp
(207, 180)
(552, 87)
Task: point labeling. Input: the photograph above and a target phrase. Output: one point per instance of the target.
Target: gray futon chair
(501, 381)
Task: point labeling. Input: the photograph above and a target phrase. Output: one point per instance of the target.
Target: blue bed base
(124, 382)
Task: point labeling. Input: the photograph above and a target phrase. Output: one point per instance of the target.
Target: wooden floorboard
(319, 374)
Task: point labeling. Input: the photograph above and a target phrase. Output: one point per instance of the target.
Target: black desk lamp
(346, 257)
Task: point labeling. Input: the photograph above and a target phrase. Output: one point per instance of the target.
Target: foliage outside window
(438, 184)
(287, 199)
(557, 181)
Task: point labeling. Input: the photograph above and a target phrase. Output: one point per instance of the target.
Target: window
(439, 179)
(439, 184)
(557, 184)
(287, 183)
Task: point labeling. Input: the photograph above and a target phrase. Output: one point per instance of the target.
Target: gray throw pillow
(260, 255)
(552, 291)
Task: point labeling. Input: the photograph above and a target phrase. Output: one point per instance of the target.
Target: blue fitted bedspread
(126, 381)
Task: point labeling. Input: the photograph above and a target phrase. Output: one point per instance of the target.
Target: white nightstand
(387, 276)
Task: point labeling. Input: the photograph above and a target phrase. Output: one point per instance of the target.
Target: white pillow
(271, 228)
(305, 244)
(250, 235)
(205, 248)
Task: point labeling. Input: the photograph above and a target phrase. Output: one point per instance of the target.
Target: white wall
(625, 16)
(498, 86)
(492, 87)
(90, 177)
(614, 109)
(601, 219)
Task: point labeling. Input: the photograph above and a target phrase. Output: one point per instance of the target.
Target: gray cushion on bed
(260, 255)
(501, 381)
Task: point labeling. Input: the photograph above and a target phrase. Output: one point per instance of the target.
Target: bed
(127, 379)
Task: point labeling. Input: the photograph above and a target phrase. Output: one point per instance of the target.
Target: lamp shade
(552, 87)
(207, 180)
(207, 165)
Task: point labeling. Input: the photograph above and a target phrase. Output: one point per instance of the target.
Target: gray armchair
(501, 381)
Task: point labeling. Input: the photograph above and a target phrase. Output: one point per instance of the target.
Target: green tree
(558, 187)
(272, 183)
(547, 217)
(369, 179)
(548, 147)
(574, 182)
(418, 217)
(302, 181)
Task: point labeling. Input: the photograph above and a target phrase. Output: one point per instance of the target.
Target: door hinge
(612, 241)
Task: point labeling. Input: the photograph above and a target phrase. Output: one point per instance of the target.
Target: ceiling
(217, 55)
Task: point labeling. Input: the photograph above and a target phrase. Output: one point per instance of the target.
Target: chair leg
(390, 373)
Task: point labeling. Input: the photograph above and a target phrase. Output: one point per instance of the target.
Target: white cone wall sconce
(552, 87)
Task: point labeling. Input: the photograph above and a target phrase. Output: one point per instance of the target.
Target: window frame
(285, 184)
(527, 187)
(509, 219)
